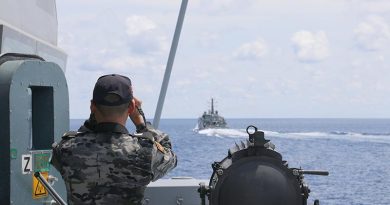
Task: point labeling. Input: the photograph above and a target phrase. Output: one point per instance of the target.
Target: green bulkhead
(34, 113)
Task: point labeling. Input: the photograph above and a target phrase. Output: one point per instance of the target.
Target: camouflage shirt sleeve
(163, 158)
(56, 159)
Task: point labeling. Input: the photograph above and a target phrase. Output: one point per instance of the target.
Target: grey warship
(34, 112)
(211, 119)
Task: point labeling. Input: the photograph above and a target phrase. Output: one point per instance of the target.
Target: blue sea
(356, 152)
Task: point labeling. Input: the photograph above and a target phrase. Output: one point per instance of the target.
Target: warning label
(38, 190)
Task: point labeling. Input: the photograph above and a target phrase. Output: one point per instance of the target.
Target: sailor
(103, 163)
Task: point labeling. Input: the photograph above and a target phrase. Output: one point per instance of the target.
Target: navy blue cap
(112, 84)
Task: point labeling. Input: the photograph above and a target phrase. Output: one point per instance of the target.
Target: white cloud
(125, 62)
(136, 25)
(144, 36)
(148, 44)
(221, 6)
(183, 83)
(208, 38)
(372, 6)
(373, 34)
(310, 46)
(111, 39)
(252, 50)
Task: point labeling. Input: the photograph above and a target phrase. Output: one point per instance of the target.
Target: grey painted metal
(175, 191)
(38, 18)
(171, 59)
(30, 119)
(17, 41)
(1, 37)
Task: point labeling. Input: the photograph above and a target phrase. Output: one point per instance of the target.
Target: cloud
(136, 25)
(132, 37)
(129, 45)
(208, 39)
(310, 47)
(125, 62)
(252, 50)
(221, 6)
(144, 36)
(372, 6)
(372, 34)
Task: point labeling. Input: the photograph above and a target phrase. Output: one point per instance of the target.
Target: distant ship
(211, 119)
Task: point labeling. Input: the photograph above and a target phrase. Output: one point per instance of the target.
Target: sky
(257, 58)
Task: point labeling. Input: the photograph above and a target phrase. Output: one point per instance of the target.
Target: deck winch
(254, 173)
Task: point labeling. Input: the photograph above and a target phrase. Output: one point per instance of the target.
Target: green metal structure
(34, 113)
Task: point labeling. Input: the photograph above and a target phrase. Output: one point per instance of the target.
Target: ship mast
(171, 58)
(212, 105)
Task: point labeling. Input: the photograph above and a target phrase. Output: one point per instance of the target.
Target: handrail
(50, 189)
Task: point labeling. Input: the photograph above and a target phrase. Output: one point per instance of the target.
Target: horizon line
(238, 118)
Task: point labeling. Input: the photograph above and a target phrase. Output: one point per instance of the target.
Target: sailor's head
(112, 90)
(112, 97)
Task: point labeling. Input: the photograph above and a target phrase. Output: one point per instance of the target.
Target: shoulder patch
(54, 145)
(144, 135)
(69, 134)
(159, 147)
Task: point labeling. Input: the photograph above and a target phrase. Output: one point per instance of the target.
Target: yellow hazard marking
(38, 190)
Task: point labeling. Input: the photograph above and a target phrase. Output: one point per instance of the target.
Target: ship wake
(219, 132)
(334, 135)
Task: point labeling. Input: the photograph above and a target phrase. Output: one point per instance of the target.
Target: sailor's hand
(138, 102)
(136, 116)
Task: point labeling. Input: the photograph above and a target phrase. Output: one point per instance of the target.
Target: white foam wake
(221, 132)
(351, 136)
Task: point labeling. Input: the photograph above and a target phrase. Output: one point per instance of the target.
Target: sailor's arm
(57, 153)
(56, 156)
(163, 159)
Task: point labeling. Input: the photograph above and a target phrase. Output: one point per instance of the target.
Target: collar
(111, 127)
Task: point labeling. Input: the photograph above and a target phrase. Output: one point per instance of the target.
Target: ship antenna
(171, 59)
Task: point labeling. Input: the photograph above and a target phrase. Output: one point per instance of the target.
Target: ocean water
(356, 152)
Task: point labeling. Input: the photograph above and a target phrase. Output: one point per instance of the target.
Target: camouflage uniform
(109, 166)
